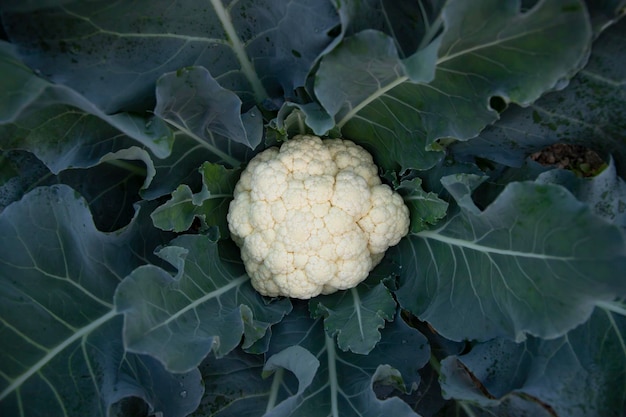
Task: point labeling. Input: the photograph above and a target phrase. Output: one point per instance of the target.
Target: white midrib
(56, 351)
(400, 80)
(332, 375)
(191, 306)
(356, 300)
(240, 52)
(486, 249)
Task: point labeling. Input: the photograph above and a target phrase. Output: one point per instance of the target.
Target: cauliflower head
(313, 217)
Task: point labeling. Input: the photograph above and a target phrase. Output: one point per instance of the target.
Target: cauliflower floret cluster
(313, 217)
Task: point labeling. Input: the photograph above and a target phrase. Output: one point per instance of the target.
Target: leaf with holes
(487, 48)
(589, 112)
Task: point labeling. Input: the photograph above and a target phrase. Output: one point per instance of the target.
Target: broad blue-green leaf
(194, 102)
(411, 24)
(605, 193)
(425, 208)
(113, 53)
(20, 171)
(183, 164)
(311, 377)
(235, 386)
(589, 112)
(352, 85)
(58, 274)
(536, 261)
(343, 382)
(363, 83)
(580, 374)
(356, 316)
(206, 307)
(210, 204)
(55, 121)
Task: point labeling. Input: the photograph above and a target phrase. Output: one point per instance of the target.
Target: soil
(583, 161)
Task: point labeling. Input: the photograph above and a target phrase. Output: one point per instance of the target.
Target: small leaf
(425, 208)
(207, 306)
(356, 316)
(210, 205)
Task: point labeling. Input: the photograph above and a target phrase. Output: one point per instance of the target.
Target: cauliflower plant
(313, 217)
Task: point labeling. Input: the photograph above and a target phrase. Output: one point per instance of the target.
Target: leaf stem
(466, 408)
(127, 166)
(356, 300)
(278, 378)
(246, 66)
(372, 97)
(613, 306)
(332, 375)
(220, 154)
(53, 352)
(301, 125)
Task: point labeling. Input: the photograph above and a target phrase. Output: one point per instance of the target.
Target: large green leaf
(536, 261)
(58, 274)
(581, 374)
(193, 101)
(61, 126)
(488, 48)
(114, 52)
(206, 307)
(329, 382)
(589, 112)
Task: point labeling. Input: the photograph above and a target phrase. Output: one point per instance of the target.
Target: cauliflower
(313, 217)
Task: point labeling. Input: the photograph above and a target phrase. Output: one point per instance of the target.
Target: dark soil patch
(583, 161)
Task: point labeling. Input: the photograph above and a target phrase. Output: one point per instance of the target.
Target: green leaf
(375, 101)
(183, 164)
(580, 374)
(534, 261)
(210, 205)
(334, 382)
(589, 112)
(51, 119)
(425, 208)
(58, 274)
(356, 316)
(353, 83)
(114, 53)
(194, 102)
(336, 389)
(605, 193)
(206, 307)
